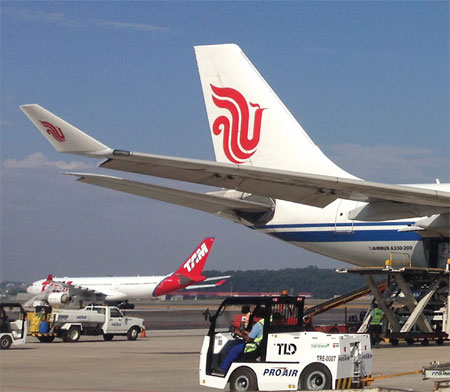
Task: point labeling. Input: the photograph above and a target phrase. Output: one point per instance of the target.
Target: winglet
(63, 136)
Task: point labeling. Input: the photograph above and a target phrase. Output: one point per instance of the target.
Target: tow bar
(440, 372)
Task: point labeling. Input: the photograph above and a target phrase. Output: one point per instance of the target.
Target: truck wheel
(46, 339)
(108, 337)
(133, 333)
(5, 342)
(394, 342)
(243, 379)
(315, 377)
(73, 335)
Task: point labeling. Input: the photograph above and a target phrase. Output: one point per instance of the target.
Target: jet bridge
(415, 302)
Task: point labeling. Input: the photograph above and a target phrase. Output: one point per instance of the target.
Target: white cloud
(38, 160)
(61, 19)
(131, 26)
(35, 15)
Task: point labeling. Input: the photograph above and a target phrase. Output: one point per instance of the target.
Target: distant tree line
(321, 282)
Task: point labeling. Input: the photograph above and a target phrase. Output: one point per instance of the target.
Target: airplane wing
(211, 203)
(74, 293)
(310, 189)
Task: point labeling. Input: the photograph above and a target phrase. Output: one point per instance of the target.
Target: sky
(368, 81)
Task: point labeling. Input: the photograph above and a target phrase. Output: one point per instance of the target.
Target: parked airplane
(273, 177)
(58, 291)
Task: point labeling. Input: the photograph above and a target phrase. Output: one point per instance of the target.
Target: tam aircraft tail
(193, 266)
(189, 273)
(249, 124)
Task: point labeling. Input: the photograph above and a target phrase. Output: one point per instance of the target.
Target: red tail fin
(193, 266)
(188, 273)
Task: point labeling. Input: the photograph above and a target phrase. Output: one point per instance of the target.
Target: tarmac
(165, 360)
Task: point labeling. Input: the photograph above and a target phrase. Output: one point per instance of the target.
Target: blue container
(43, 327)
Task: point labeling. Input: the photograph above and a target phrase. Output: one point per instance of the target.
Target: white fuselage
(115, 288)
(330, 232)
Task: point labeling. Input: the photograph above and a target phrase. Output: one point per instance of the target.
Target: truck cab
(116, 323)
(288, 357)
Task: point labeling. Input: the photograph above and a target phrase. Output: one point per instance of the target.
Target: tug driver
(250, 339)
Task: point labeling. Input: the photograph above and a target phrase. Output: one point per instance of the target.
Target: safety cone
(143, 333)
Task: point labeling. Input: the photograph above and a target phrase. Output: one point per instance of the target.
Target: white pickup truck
(287, 357)
(70, 324)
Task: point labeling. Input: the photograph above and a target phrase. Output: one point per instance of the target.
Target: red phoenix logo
(238, 144)
(54, 131)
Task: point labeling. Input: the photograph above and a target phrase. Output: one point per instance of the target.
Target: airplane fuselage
(115, 288)
(272, 177)
(329, 231)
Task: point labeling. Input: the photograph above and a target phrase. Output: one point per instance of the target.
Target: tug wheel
(243, 379)
(315, 377)
(5, 342)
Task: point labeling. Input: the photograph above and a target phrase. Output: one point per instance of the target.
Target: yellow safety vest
(252, 346)
(377, 316)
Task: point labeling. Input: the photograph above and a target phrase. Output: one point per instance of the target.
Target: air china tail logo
(190, 264)
(239, 142)
(54, 131)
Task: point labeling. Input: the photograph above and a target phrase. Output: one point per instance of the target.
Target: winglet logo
(239, 143)
(54, 131)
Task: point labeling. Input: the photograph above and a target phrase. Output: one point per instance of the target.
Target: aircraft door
(342, 224)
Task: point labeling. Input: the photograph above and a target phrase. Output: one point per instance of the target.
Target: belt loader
(288, 357)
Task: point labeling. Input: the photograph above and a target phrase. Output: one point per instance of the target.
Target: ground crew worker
(250, 341)
(375, 324)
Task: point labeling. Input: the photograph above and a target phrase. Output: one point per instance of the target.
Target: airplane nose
(30, 290)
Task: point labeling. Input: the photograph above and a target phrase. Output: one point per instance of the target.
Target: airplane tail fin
(248, 122)
(63, 136)
(190, 271)
(193, 266)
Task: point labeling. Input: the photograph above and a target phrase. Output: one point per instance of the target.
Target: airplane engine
(58, 298)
